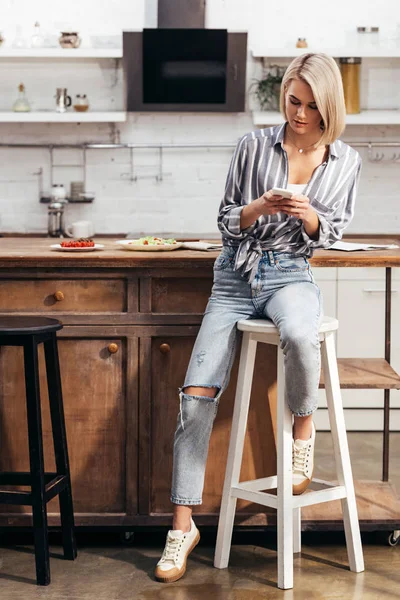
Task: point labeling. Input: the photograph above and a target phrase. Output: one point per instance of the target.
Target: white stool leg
(342, 456)
(235, 452)
(296, 530)
(285, 483)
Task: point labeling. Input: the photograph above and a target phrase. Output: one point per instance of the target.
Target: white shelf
(67, 117)
(363, 52)
(366, 117)
(66, 53)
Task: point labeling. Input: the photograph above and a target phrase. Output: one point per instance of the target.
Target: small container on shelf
(37, 40)
(81, 103)
(69, 39)
(58, 192)
(350, 70)
(21, 104)
(301, 43)
(1, 38)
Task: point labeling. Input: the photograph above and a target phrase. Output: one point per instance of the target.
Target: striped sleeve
(231, 205)
(332, 225)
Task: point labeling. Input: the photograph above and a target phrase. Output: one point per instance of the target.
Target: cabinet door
(99, 390)
(164, 359)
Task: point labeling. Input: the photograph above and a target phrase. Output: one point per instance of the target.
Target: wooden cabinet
(124, 351)
(48, 295)
(164, 359)
(100, 384)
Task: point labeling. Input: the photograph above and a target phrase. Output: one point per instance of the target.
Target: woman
(263, 272)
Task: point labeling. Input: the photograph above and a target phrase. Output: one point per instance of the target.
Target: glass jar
(81, 103)
(301, 43)
(367, 37)
(58, 192)
(350, 70)
(21, 104)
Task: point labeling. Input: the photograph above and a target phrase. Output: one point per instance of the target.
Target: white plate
(88, 249)
(130, 245)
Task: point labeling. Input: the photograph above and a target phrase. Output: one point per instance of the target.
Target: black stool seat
(26, 325)
(29, 333)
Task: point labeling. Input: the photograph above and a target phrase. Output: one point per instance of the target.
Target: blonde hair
(323, 76)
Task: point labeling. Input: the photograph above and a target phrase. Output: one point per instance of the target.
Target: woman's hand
(268, 204)
(297, 206)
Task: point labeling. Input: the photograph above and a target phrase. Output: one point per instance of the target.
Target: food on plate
(150, 240)
(80, 243)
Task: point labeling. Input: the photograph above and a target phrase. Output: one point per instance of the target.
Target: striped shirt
(260, 163)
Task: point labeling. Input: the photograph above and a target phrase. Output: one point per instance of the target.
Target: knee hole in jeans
(208, 392)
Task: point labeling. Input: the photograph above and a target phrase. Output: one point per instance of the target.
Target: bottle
(21, 104)
(37, 40)
(19, 41)
(81, 103)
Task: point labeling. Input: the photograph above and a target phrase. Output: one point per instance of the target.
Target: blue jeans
(283, 291)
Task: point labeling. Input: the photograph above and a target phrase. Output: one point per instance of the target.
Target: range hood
(175, 14)
(176, 64)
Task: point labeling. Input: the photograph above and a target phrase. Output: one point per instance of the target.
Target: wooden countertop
(31, 252)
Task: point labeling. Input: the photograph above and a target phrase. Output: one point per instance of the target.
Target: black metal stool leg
(36, 461)
(60, 445)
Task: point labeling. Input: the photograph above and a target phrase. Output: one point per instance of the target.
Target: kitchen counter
(35, 252)
(129, 324)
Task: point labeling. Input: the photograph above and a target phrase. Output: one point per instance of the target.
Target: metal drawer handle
(370, 290)
(112, 348)
(165, 348)
(58, 296)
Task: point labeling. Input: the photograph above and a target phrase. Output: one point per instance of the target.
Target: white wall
(191, 177)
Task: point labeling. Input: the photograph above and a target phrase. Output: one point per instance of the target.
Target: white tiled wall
(190, 177)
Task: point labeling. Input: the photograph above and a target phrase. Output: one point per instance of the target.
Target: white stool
(288, 506)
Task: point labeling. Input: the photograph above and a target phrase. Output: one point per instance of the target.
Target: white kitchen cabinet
(361, 314)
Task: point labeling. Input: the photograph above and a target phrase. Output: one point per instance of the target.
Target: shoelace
(299, 459)
(171, 548)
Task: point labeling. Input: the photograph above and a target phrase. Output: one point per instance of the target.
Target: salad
(150, 240)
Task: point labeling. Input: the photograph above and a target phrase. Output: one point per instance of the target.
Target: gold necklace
(301, 150)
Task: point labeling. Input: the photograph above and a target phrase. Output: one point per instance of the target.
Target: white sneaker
(172, 565)
(303, 463)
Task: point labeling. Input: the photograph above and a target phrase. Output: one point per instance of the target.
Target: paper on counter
(353, 246)
(201, 246)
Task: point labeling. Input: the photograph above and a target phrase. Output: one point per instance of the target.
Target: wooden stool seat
(288, 506)
(27, 325)
(29, 332)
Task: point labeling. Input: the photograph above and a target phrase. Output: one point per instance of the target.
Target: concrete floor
(106, 569)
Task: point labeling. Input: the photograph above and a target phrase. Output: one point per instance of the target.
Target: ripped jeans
(283, 291)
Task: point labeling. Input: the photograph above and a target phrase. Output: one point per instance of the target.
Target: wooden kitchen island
(130, 321)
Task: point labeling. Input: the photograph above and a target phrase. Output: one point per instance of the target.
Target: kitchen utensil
(56, 218)
(80, 229)
(76, 188)
(62, 100)
(130, 245)
(88, 249)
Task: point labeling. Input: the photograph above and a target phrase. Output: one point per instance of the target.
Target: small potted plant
(268, 88)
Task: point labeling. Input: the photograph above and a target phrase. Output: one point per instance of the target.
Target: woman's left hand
(297, 206)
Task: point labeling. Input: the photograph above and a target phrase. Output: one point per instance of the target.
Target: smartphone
(281, 192)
